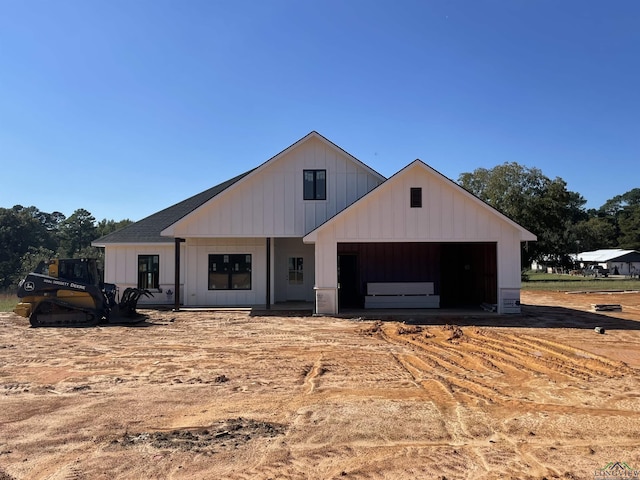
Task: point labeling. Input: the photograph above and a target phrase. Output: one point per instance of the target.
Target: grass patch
(564, 283)
(8, 301)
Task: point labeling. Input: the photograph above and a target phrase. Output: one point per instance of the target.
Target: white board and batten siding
(448, 214)
(121, 268)
(360, 206)
(196, 259)
(444, 216)
(196, 285)
(269, 202)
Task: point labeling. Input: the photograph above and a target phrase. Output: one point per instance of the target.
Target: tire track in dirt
(450, 384)
(561, 358)
(457, 360)
(531, 360)
(431, 362)
(310, 378)
(413, 404)
(598, 362)
(445, 399)
(527, 361)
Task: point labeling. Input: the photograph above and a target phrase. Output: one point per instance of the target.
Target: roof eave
(129, 244)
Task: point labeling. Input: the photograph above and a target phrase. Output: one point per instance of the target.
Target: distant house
(624, 262)
(313, 223)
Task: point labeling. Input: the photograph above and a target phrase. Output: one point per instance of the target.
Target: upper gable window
(416, 197)
(315, 184)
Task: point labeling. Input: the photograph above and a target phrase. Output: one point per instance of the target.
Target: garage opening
(463, 274)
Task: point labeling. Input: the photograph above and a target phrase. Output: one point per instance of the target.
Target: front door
(296, 278)
(294, 272)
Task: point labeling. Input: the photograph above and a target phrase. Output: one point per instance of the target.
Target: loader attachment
(125, 310)
(129, 300)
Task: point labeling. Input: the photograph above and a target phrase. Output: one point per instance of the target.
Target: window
(416, 197)
(295, 271)
(148, 271)
(315, 184)
(230, 272)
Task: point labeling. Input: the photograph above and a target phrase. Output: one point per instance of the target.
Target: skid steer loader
(69, 292)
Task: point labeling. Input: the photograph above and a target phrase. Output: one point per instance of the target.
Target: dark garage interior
(464, 274)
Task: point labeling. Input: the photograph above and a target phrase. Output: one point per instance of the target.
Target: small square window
(315, 185)
(416, 197)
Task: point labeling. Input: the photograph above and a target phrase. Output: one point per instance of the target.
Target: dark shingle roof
(148, 229)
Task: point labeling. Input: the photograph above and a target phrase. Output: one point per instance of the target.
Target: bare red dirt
(216, 395)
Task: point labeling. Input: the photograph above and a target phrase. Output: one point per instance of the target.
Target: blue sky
(124, 107)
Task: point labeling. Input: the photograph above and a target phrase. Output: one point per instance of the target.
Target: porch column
(326, 281)
(176, 305)
(268, 299)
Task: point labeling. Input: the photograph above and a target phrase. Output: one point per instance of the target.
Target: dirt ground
(227, 395)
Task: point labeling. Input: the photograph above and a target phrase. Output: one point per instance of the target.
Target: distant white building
(624, 262)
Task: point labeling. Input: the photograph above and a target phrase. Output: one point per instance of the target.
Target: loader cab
(80, 270)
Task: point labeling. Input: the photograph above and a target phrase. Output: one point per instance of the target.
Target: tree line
(542, 205)
(28, 236)
(556, 215)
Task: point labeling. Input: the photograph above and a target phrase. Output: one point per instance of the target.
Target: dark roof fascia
(148, 229)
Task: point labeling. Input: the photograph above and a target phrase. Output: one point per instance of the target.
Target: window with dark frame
(296, 275)
(230, 271)
(148, 271)
(315, 184)
(416, 197)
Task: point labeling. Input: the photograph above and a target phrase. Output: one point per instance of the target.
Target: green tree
(76, 233)
(28, 236)
(619, 203)
(22, 229)
(594, 233)
(624, 211)
(30, 260)
(629, 222)
(106, 227)
(541, 205)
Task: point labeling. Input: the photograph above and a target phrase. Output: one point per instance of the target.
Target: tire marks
(311, 376)
(458, 365)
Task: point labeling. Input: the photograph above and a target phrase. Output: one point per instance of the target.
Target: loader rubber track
(56, 313)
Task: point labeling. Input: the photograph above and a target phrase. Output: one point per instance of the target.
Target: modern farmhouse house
(313, 223)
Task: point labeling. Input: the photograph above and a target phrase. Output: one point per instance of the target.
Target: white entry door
(296, 278)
